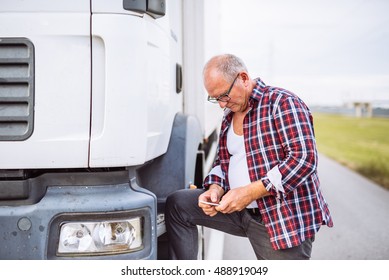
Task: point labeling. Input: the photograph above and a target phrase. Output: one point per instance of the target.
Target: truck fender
(175, 169)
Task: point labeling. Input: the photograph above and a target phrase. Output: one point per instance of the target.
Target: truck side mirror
(155, 8)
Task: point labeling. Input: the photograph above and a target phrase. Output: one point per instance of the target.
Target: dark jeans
(183, 215)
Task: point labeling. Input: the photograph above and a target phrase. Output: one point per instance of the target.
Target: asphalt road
(360, 210)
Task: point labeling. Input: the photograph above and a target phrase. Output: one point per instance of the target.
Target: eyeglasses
(225, 96)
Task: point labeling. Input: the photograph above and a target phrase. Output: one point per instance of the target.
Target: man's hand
(213, 194)
(237, 199)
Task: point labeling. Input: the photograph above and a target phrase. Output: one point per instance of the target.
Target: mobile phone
(209, 203)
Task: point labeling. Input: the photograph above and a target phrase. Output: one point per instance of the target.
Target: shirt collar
(258, 90)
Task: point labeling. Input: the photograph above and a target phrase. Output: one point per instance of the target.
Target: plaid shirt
(279, 141)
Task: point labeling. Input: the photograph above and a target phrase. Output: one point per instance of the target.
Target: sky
(328, 52)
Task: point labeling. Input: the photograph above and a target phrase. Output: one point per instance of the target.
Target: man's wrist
(258, 189)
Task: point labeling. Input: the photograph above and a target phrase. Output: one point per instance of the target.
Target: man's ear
(245, 78)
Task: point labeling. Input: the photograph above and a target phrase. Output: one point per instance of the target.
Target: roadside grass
(361, 144)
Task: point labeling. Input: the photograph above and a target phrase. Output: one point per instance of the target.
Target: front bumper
(32, 231)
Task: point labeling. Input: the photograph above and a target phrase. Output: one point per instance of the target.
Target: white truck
(102, 115)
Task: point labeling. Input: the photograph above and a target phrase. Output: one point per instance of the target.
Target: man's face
(229, 95)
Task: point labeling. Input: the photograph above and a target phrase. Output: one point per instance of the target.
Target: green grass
(361, 144)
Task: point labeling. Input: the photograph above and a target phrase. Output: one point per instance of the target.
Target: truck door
(135, 54)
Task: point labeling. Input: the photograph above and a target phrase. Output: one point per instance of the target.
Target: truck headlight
(118, 236)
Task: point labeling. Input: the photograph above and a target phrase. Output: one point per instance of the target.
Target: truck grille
(16, 89)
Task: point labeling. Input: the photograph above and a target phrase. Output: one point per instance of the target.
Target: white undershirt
(238, 174)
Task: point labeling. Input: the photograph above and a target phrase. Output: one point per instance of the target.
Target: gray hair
(228, 65)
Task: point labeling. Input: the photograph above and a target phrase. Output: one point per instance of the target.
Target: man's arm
(294, 126)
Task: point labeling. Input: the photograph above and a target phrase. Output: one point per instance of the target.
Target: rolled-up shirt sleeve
(215, 176)
(273, 182)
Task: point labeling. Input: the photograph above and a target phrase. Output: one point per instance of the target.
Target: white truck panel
(147, 107)
(115, 98)
(44, 6)
(62, 90)
(195, 57)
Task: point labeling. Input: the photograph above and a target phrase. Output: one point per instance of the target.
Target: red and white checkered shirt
(281, 152)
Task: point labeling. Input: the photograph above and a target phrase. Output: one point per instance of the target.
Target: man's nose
(222, 104)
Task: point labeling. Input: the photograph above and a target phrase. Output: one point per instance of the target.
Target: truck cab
(95, 126)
